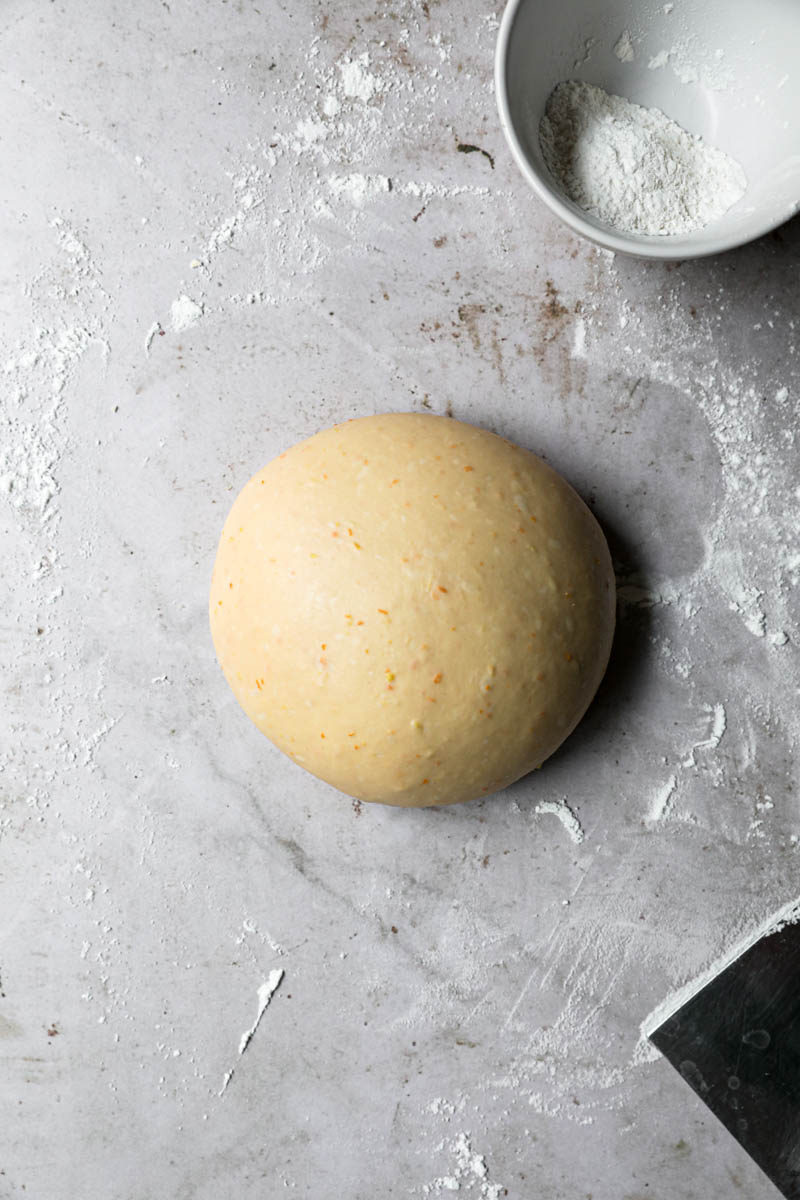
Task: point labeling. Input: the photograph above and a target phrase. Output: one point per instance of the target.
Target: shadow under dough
(627, 669)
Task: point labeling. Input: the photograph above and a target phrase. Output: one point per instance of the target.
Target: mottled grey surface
(464, 971)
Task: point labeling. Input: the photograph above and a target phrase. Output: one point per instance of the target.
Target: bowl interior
(723, 69)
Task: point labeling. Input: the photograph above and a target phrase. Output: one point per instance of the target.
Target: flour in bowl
(632, 167)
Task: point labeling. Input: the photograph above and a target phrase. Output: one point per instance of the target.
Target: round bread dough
(411, 608)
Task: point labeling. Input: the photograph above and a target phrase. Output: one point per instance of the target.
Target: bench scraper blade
(736, 1042)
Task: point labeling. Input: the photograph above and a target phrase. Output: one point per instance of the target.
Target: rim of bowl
(630, 244)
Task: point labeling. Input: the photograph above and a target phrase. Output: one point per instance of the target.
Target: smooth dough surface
(411, 608)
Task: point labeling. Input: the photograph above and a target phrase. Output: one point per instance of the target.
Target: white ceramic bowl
(745, 98)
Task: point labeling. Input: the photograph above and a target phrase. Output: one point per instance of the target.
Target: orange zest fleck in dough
(469, 468)
(385, 611)
(442, 589)
(437, 677)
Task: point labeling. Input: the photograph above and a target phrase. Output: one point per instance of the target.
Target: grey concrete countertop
(226, 225)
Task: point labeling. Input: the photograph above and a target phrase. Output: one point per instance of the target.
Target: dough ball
(411, 608)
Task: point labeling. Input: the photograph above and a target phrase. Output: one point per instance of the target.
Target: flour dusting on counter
(662, 802)
(357, 79)
(560, 809)
(468, 1173)
(184, 313)
(266, 991)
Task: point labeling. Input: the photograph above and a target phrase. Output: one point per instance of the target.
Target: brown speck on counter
(468, 315)
(468, 148)
(552, 306)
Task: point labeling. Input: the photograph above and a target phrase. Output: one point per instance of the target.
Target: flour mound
(632, 167)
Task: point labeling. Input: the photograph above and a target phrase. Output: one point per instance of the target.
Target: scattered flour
(624, 48)
(358, 188)
(469, 1173)
(586, 53)
(152, 333)
(579, 339)
(692, 67)
(309, 131)
(560, 809)
(266, 991)
(659, 60)
(632, 167)
(663, 800)
(357, 81)
(184, 313)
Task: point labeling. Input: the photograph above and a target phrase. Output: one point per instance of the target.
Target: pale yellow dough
(411, 608)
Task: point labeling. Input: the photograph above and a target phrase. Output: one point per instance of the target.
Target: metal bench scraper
(736, 1042)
